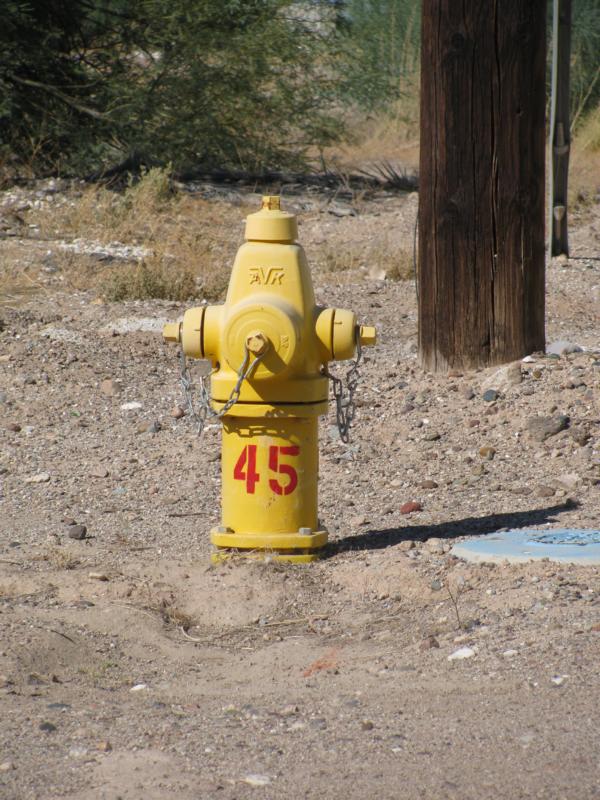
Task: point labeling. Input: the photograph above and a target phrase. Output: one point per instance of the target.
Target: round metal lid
(570, 545)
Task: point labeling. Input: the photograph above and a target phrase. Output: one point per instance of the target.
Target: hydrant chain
(345, 407)
(245, 372)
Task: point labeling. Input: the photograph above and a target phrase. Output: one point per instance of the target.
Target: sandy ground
(130, 668)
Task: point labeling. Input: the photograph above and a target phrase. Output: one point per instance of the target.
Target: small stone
(41, 477)
(435, 546)
(580, 435)
(563, 347)
(109, 387)
(410, 507)
(490, 395)
(468, 394)
(97, 576)
(177, 412)
(505, 377)
(487, 452)
(569, 480)
(98, 472)
(77, 532)
(358, 521)
(430, 643)
(367, 725)
(461, 653)
(428, 484)
(541, 428)
(478, 470)
(139, 687)
(406, 544)
(29, 380)
(104, 747)
(474, 423)
(435, 584)
(558, 680)
(545, 491)
(537, 374)
(7, 766)
(407, 408)
(256, 780)
(134, 405)
(14, 427)
(47, 727)
(432, 436)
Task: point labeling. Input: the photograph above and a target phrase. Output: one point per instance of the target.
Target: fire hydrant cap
(271, 224)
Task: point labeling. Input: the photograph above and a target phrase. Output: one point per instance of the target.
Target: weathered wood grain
(481, 209)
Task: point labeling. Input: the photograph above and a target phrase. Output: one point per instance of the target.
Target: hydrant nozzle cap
(271, 224)
(172, 332)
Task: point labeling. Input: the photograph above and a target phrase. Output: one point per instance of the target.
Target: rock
(104, 747)
(98, 472)
(430, 643)
(410, 507)
(461, 653)
(109, 387)
(537, 374)
(490, 395)
(545, 491)
(134, 405)
(432, 436)
(468, 394)
(367, 725)
(562, 347)
(406, 544)
(569, 480)
(428, 485)
(7, 766)
(139, 687)
(177, 412)
(97, 576)
(435, 584)
(478, 470)
(357, 522)
(256, 780)
(487, 452)
(435, 546)
(505, 377)
(77, 532)
(580, 435)
(47, 727)
(541, 428)
(14, 427)
(41, 477)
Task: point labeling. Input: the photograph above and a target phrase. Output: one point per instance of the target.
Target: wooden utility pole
(481, 202)
(560, 136)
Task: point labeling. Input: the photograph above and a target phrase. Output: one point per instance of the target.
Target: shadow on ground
(492, 523)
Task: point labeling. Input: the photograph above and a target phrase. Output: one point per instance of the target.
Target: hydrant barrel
(269, 487)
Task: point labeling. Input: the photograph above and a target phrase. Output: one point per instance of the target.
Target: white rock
(510, 653)
(504, 378)
(562, 346)
(41, 477)
(139, 687)
(133, 406)
(461, 653)
(256, 780)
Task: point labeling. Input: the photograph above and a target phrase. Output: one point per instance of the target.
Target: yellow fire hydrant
(269, 345)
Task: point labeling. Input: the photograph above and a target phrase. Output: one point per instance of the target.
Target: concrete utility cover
(574, 546)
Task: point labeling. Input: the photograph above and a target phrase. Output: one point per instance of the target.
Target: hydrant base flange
(265, 555)
(295, 547)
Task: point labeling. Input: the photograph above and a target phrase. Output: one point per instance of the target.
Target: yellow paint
(270, 440)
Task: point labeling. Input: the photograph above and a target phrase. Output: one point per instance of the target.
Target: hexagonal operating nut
(172, 332)
(257, 343)
(367, 335)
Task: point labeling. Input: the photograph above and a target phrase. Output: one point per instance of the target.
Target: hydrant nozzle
(257, 343)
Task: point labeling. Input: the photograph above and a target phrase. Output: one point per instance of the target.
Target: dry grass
(392, 137)
(189, 242)
(584, 166)
(377, 257)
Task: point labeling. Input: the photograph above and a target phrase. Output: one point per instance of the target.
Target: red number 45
(245, 469)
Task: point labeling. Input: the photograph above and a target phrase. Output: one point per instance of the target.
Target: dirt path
(130, 668)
